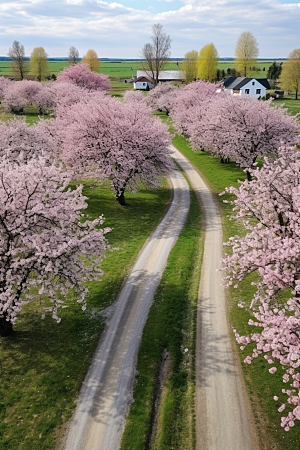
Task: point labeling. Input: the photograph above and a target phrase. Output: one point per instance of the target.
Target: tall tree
(157, 52)
(274, 73)
(115, 140)
(19, 65)
(246, 53)
(39, 62)
(290, 76)
(189, 66)
(207, 63)
(92, 60)
(73, 55)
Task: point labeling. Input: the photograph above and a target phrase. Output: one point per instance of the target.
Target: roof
(164, 75)
(239, 82)
(143, 78)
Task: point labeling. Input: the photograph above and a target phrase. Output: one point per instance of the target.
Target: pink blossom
(41, 233)
(82, 76)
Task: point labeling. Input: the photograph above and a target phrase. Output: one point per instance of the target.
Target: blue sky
(118, 29)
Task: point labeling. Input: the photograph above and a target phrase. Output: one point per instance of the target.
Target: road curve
(223, 417)
(106, 394)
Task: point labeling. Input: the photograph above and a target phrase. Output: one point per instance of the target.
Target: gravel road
(106, 394)
(223, 417)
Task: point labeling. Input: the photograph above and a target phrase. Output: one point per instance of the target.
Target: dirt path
(223, 417)
(106, 394)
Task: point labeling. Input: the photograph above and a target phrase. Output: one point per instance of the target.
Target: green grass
(171, 326)
(116, 70)
(261, 65)
(289, 102)
(261, 385)
(43, 363)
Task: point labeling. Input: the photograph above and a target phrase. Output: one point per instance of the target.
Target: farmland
(126, 69)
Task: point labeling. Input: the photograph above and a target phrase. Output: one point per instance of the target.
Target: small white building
(143, 83)
(164, 75)
(254, 87)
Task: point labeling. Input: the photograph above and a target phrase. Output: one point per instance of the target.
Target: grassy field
(262, 67)
(116, 70)
(128, 69)
(43, 363)
(261, 385)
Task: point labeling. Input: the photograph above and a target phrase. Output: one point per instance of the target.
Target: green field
(116, 70)
(127, 69)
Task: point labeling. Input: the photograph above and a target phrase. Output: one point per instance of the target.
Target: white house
(143, 83)
(254, 87)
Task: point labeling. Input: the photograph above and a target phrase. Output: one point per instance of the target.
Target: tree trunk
(249, 178)
(121, 198)
(6, 328)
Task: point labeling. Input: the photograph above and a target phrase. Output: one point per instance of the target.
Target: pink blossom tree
(120, 141)
(21, 142)
(162, 97)
(4, 83)
(132, 96)
(189, 99)
(20, 94)
(269, 205)
(45, 247)
(82, 76)
(243, 128)
(55, 95)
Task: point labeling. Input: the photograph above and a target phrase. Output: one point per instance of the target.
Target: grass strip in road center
(170, 330)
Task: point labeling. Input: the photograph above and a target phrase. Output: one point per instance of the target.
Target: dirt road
(223, 417)
(106, 394)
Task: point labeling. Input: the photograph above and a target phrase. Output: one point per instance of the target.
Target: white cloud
(117, 30)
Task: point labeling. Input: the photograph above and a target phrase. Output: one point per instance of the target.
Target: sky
(119, 29)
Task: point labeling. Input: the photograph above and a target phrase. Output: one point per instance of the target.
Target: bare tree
(19, 65)
(73, 56)
(156, 53)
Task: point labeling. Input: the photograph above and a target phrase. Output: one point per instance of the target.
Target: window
(258, 91)
(253, 83)
(144, 84)
(247, 91)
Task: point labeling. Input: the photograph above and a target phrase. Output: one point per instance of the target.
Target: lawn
(289, 102)
(43, 363)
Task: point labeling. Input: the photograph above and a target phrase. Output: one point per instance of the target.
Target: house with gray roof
(254, 87)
